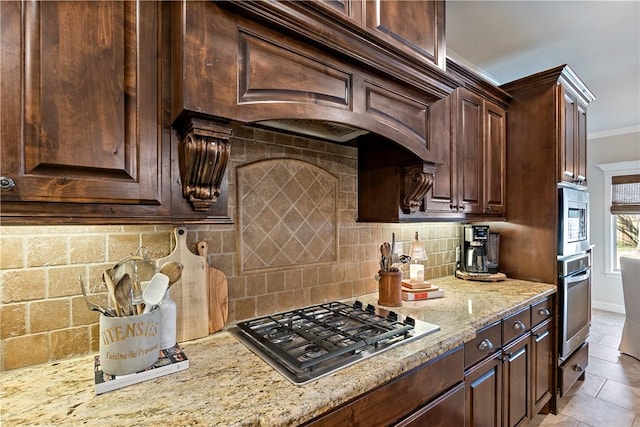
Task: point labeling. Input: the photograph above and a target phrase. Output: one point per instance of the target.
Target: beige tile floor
(610, 394)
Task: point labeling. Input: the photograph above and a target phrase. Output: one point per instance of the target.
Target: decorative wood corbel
(418, 180)
(203, 151)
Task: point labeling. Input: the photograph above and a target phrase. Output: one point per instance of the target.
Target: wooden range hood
(304, 68)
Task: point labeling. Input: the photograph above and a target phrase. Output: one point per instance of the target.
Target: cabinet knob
(544, 312)
(519, 326)
(453, 207)
(578, 368)
(6, 183)
(485, 344)
(461, 207)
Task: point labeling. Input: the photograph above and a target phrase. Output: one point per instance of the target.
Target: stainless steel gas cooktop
(310, 342)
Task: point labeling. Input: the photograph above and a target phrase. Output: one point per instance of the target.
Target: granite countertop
(227, 385)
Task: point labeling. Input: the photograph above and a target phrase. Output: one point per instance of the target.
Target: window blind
(625, 194)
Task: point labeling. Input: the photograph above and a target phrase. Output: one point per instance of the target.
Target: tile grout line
(600, 389)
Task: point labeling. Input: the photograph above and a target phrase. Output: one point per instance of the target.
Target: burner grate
(311, 342)
(309, 337)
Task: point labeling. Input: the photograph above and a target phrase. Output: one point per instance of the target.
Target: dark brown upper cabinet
(105, 106)
(81, 135)
(573, 140)
(494, 157)
(470, 173)
(86, 136)
(465, 177)
(552, 105)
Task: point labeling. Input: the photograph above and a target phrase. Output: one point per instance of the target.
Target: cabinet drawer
(573, 368)
(486, 342)
(541, 311)
(516, 325)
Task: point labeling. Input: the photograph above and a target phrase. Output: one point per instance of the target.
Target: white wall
(606, 289)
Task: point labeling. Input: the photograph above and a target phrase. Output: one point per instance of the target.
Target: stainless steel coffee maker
(474, 249)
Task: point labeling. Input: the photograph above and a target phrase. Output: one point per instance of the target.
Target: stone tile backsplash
(43, 316)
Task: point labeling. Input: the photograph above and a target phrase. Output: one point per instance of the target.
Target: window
(625, 208)
(626, 235)
(622, 211)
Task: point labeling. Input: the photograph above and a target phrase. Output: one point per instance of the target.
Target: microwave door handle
(579, 277)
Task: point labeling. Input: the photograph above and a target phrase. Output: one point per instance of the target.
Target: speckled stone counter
(227, 385)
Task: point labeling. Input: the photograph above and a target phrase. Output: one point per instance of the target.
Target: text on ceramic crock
(132, 353)
(136, 329)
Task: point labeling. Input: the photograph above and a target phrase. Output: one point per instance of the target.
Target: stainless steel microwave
(573, 223)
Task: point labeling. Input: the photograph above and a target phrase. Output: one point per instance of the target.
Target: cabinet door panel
(494, 159)
(416, 26)
(484, 394)
(516, 382)
(567, 146)
(90, 94)
(469, 151)
(581, 144)
(442, 197)
(542, 365)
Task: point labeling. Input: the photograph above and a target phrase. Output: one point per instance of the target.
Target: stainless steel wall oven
(575, 303)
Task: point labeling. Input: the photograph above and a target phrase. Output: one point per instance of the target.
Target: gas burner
(337, 323)
(279, 335)
(311, 352)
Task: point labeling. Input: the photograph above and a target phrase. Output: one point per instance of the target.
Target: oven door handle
(578, 277)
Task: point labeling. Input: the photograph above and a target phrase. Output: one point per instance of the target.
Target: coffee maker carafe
(474, 248)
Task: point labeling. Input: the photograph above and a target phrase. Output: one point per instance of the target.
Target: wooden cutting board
(190, 292)
(218, 294)
(481, 277)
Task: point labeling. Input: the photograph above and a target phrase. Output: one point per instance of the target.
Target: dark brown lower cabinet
(510, 367)
(542, 365)
(516, 373)
(431, 394)
(501, 378)
(483, 385)
(573, 368)
(445, 411)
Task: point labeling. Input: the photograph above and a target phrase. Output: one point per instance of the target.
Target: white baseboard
(607, 306)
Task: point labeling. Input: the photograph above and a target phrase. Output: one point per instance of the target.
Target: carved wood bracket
(203, 151)
(418, 180)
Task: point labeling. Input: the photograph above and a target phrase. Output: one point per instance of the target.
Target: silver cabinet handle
(544, 312)
(519, 326)
(6, 183)
(485, 344)
(539, 337)
(578, 368)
